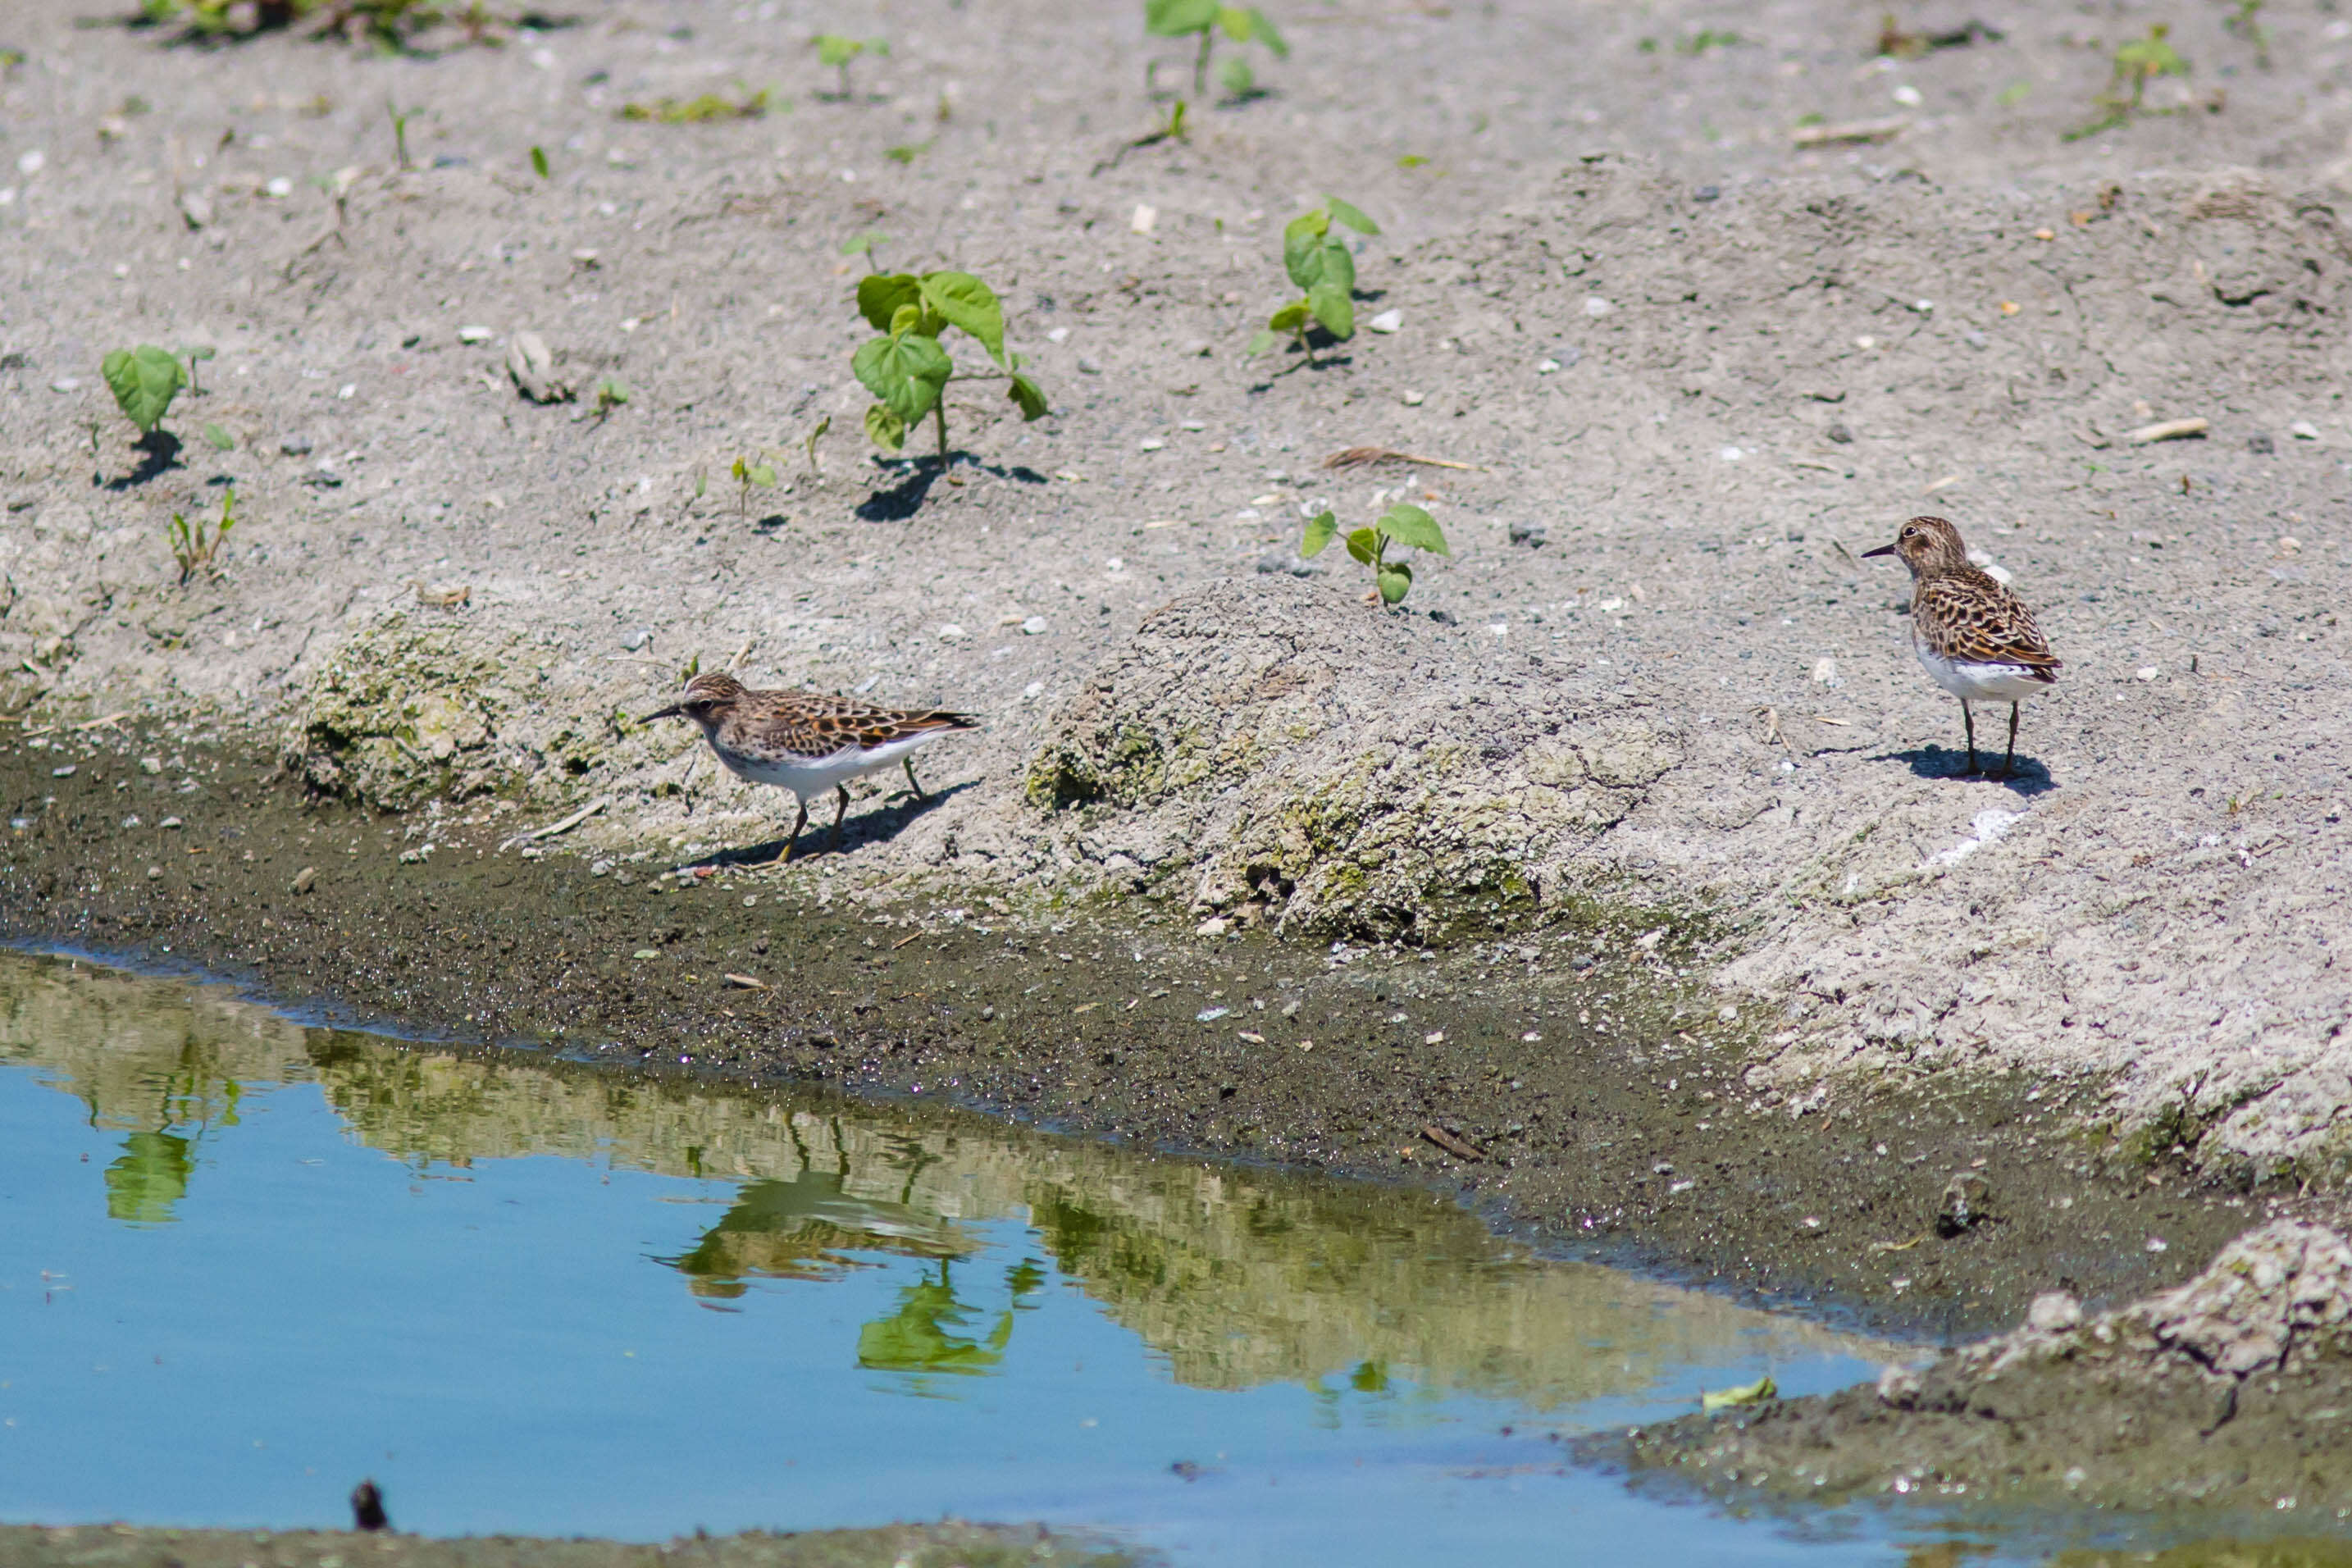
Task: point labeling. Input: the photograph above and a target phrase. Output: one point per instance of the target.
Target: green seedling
(1320, 262)
(701, 110)
(2245, 23)
(611, 393)
(1401, 524)
(808, 446)
(1206, 19)
(197, 547)
(220, 439)
(751, 472)
(868, 245)
(399, 134)
(909, 370)
(1708, 38)
(196, 356)
(144, 380)
(834, 51)
(2135, 64)
(539, 162)
(909, 153)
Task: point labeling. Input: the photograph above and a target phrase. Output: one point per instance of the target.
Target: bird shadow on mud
(902, 500)
(866, 825)
(2028, 778)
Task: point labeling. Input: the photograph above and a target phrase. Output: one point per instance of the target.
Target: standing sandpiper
(805, 740)
(1976, 639)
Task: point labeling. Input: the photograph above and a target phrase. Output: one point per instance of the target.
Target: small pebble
(155, 873)
(951, 634)
(1152, 444)
(2260, 445)
(1034, 626)
(2304, 430)
(64, 773)
(1597, 306)
(1545, 366)
(1534, 535)
(474, 334)
(295, 446)
(1707, 194)
(2147, 672)
(1386, 321)
(1088, 367)
(306, 879)
(1412, 400)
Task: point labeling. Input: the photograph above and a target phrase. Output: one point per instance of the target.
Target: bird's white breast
(807, 776)
(1973, 682)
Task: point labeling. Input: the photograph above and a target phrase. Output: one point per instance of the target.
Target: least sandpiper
(806, 741)
(1976, 639)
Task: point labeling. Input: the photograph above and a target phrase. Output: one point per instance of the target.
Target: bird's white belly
(807, 776)
(1980, 682)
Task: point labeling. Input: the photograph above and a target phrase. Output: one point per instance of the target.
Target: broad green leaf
(1409, 524)
(1302, 247)
(906, 373)
(1320, 534)
(886, 428)
(144, 381)
(879, 295)
(202, 351)
(1175, 19)
(859, 244)
(1351, 214)
(1755, 1393)
(1263, 29)
(1261, 344)
(962, 300)
(1337, 267)
(1289, 319)
(832, 49)
(905, 320)
(762, 475)
(1333, 309)
(218, 438)
(1234, 74)
(1364, 545)
(1027, 396)
(1395, 580)
(1235, 23)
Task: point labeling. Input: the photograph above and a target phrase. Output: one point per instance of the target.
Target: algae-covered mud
(900, 1546)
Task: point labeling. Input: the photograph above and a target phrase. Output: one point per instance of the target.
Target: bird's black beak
(674, 711)
(1882, 550)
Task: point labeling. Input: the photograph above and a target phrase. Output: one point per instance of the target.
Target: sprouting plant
(196, 356)
(908, 152)
(218, 438)
(197, 547)
(909, 370)
(868, 245)
(1708, 38)
(539, 162)
(751, 472)
(144, 380)
(399, 132)
(832, 49)
(1318, 261)
(1401, 524)
(2245, 23)
(1206, 19)
(2136, 63)
(611, 393)
(808, 446)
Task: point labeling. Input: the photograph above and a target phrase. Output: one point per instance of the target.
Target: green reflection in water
(1238, 1278)
(2281, 1553)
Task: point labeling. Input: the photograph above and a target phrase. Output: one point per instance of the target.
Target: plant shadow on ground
(2028, 778)
(864, 827)
(159, 454)
(902, 500)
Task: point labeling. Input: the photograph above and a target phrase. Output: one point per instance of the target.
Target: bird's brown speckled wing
(1972, 617)
(813, 724)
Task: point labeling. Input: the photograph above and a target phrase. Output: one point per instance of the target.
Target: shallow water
(247, 1262)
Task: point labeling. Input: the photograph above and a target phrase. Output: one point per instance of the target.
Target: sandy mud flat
(1624, 879)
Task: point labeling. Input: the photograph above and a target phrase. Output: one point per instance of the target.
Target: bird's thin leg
(798, 823)
(2012, 762)
(1969, 719)
(843, 791)
(910, 779)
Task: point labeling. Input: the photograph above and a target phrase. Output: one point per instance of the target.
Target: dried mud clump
(405, 711)
(2230, 1390)
(1298, 758)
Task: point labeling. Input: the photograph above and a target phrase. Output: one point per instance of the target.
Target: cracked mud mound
(2229, 1391)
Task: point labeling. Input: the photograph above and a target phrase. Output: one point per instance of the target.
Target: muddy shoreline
(1603, 1098)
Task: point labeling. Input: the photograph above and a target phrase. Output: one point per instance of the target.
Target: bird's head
(707, 700)
(1925, 544)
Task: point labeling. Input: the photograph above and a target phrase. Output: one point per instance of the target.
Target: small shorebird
(1976, 639)
(806, 741)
